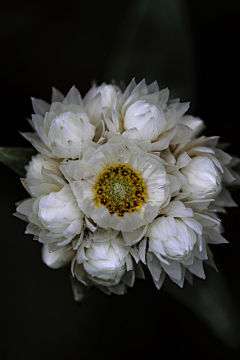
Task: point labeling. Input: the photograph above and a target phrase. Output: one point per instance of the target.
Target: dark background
(45, 43)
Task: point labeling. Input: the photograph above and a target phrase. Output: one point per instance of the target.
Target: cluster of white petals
(122, 184)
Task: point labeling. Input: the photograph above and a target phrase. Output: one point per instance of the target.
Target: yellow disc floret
(121, 189)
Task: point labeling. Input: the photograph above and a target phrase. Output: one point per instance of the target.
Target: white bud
(146, 118)
(106, 263)
(67, 131)
(54, 217)
(34, 168)
(204, 177)
(58, 212)
(172, 238)
(62, 127)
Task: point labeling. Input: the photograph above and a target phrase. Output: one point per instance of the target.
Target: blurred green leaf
(16, 158)
(213, 303)
(154, 42)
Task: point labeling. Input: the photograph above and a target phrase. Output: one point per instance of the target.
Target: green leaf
(79, 290)
(211, 301)
(16, 158)
(154, 42)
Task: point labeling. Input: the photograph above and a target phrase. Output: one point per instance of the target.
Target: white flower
(118, 185)
(34, 168)
(61, 127)
(53, 214)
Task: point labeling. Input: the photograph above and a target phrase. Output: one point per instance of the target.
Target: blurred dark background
(189, 46)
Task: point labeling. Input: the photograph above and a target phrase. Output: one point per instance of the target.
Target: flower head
(118, 185)
(122, 179)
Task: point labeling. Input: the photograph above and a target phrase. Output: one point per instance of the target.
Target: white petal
(131, 134)
(119, 289)
(26, 207)
(101, 235)
(37, 143)
(153, 87)
(73, 97)
(57, 95)
(154, 266)
(183, 160)
(142, 250)
(149, 130)
(225, 199)
(197, 268)
(193, 224)
(175, 183)
(40, 106)
(81, 274)
(196, 124)
(174, 269)
(94, 109)
(90, 225)
(129, 278)
(180, 108)
(58, 258)
(110, 125)
(135, 236)
(213, 237)
(139, 271)
(160, 282)
(183, 132)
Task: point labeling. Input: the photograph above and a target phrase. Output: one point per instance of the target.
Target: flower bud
(54, 217)
(34, 168)
(106, 263)
(67, 131)
(177, 244)
(204, 177)
(62, 127)
(146, 118)
(58, 212)
(172, 238)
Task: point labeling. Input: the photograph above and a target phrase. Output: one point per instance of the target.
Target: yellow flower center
(121, 189)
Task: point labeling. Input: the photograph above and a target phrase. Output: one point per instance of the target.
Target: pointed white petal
(73, 97)
(57, 95)
(40, 106)
(58, 258)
